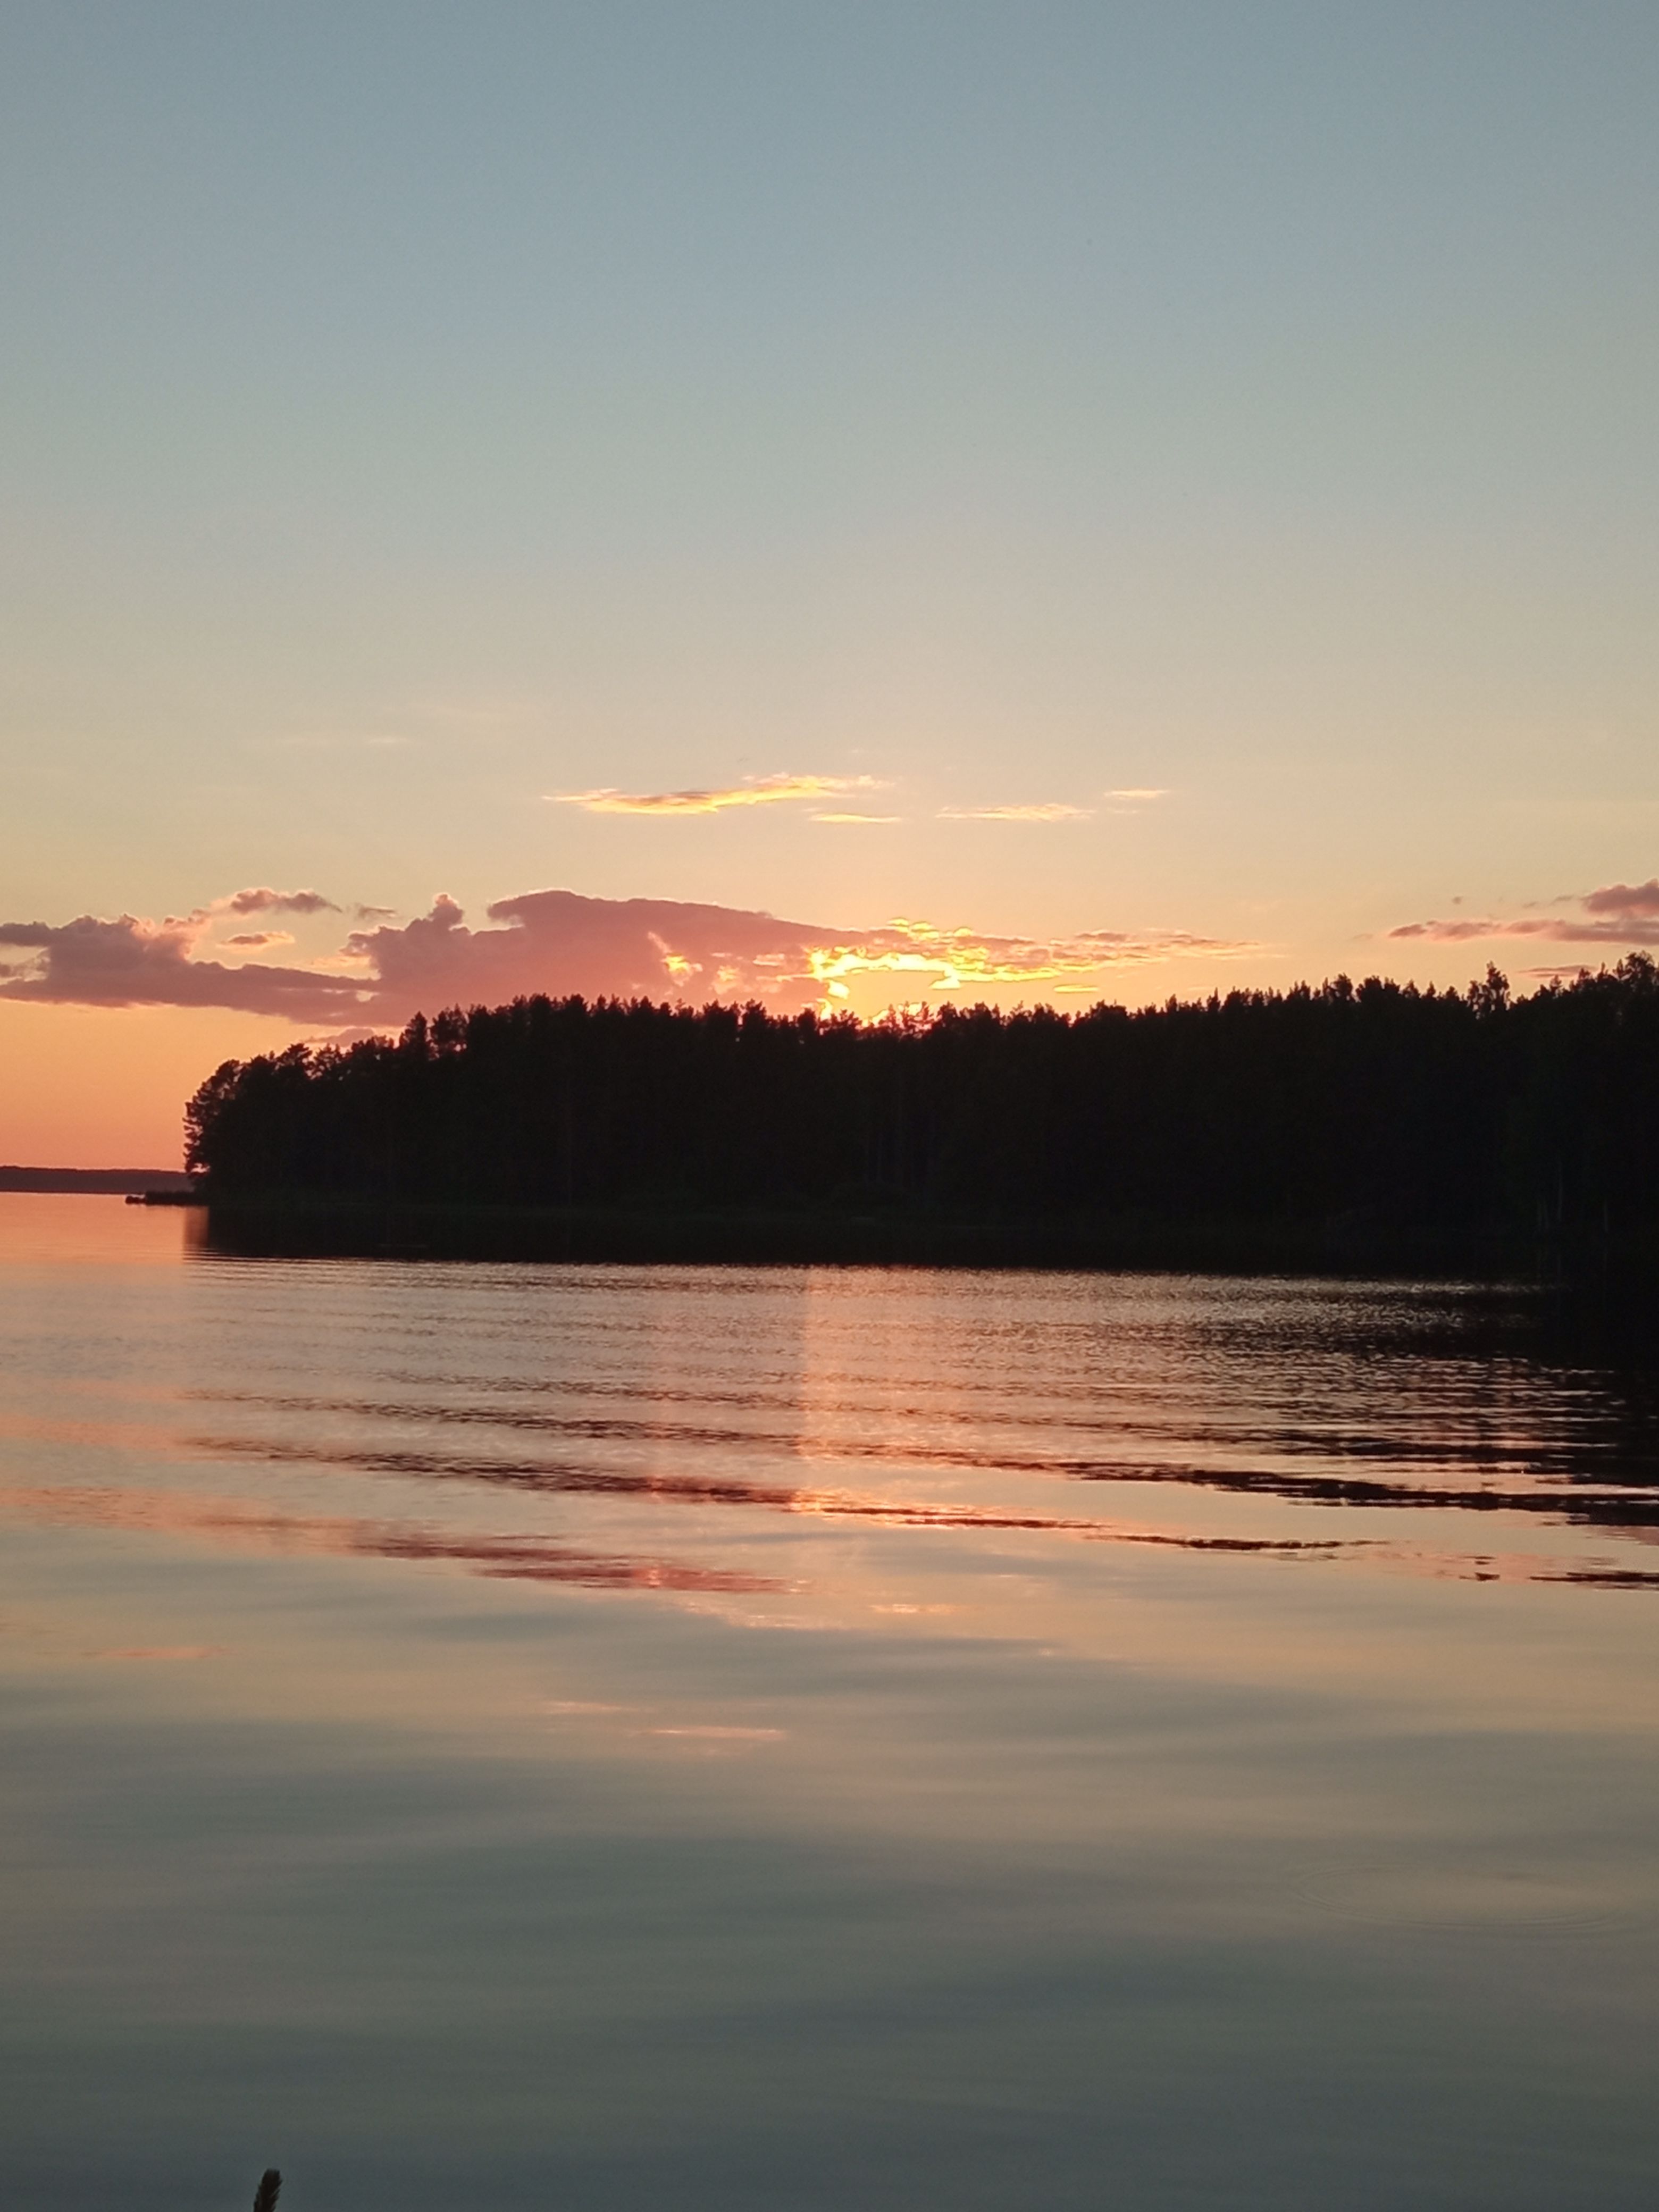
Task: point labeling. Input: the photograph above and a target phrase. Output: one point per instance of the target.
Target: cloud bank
(1617, 914)
(557, 942)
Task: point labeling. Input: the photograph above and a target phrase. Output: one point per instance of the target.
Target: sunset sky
(836, 504)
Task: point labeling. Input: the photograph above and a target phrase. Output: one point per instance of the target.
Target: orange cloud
(955, 959)
(755, 791)
(1048, 810)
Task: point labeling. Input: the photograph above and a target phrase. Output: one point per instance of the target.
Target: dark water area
(576, 1733)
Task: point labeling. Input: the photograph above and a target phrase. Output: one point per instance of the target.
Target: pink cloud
(1618, 913)
(560, 943)
(1626, 899)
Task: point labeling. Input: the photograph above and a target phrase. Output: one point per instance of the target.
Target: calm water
(556, 1736)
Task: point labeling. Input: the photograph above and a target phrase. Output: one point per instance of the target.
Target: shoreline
(364, 1228)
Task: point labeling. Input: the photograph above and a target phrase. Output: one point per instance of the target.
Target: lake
(560, 1735)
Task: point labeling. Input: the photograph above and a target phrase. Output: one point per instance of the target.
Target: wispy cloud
(755, 791)
(1052, 810)
(1139, 794)
(558, 942)
(254, 939)
(1618, 913)
(858, 818)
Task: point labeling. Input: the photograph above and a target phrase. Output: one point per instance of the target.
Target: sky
(839, 505)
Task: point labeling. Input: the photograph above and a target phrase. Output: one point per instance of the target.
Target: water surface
(551, 1735)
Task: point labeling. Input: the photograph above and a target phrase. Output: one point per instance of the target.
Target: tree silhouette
(1361, 1103)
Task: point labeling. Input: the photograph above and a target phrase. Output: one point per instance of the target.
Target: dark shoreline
(319, 1228)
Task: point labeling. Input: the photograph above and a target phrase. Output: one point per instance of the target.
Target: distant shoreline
(97, 1182)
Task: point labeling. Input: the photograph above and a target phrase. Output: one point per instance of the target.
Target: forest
(1371, 1103)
